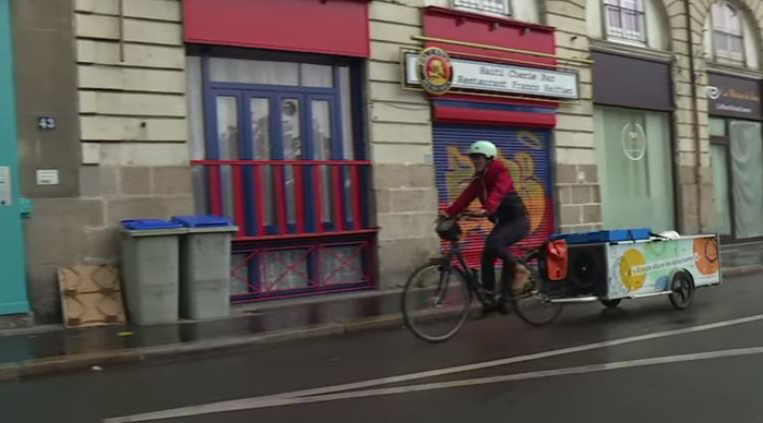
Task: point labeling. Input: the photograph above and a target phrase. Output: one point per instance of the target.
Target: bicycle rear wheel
(435, 303)
(536, 308)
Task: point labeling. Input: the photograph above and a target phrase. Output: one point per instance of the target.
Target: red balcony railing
(284, 198)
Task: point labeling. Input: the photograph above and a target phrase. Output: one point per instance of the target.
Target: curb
(85, 361)
(10, 372)
(741, 270)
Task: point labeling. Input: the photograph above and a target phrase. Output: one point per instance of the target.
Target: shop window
(276, 145)
(341, 265)
(253, 72)
(625, 20)
(736, 153)
(635, 168)
(262, 118)
(497, 7)
(728, 34)
(239, 281)
(285, 270)
(746, 145)
(719, 160)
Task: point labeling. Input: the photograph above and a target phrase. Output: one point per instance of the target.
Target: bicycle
(445, 288)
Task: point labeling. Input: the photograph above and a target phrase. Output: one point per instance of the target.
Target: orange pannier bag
(556, 260)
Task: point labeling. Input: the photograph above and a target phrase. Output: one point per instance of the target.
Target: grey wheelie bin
(151, 269)
(205, 266)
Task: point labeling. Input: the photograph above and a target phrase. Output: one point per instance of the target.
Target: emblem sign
(634, 141)
(435, 71)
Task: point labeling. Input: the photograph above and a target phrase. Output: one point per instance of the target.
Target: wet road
(643, 362)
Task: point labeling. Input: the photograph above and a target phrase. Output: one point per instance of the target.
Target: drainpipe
(121, 5)
(695, 107)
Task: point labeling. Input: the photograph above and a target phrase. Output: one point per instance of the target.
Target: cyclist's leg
(488, 265)
(504, 235)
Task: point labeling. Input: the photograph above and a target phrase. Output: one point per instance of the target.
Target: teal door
(13, 298)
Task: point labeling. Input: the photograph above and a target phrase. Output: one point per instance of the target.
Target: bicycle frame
(437, 298)
(461, 267)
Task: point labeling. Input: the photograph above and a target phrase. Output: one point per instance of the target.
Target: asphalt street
(641, 362)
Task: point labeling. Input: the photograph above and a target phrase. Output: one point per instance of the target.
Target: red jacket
(490, 187)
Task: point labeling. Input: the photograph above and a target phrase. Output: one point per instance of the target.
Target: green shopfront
(13, 297)
(736, 153)
(633, 141)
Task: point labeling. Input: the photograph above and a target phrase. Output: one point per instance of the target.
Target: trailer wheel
(682, 288)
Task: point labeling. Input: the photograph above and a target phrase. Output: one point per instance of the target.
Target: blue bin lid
(202, 221)
(149, 224)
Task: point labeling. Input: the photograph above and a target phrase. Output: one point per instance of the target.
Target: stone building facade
(113, 73)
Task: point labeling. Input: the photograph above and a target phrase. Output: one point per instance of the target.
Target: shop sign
(734, 97)
(434, 71)
(469, 75)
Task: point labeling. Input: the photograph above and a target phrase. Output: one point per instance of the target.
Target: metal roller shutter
(526, 152)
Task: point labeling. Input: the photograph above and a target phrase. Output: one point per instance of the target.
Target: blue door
(13, 298)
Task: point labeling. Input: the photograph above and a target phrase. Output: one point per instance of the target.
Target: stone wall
(400, 144)
(690, 122)
(129, 113)
(46, 87)
(577, 184)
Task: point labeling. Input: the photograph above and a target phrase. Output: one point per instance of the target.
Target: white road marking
(287, 398)
(591, 368)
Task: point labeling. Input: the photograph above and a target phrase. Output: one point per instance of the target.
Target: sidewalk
(51, 349)
(35, 351)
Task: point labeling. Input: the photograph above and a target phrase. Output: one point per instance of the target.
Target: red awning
(337, 27)
(448, 114)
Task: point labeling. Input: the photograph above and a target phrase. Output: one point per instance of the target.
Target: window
(498, 7)
(719, 159)
(736, 154)
(277, 147)
(264, 118)
(728, 35)
(625, 20)
(635, 168)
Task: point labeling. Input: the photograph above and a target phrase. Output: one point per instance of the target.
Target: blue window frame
(312, 104)
(255, 131)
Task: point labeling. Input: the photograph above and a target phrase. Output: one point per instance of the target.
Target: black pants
(505, 233)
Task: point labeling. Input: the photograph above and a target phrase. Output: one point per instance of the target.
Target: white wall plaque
(47, 177)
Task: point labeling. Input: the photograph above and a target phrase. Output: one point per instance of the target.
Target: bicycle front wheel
(435, 303)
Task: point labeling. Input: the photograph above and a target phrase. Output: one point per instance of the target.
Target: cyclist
(493, 185)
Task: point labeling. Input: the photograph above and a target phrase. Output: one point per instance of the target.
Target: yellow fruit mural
(527, 184)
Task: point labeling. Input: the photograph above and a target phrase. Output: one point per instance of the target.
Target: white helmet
(485, 148)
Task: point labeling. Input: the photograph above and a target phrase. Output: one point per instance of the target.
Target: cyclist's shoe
(488, 307)
(490, 304)
(503, 304)
(487, 310)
